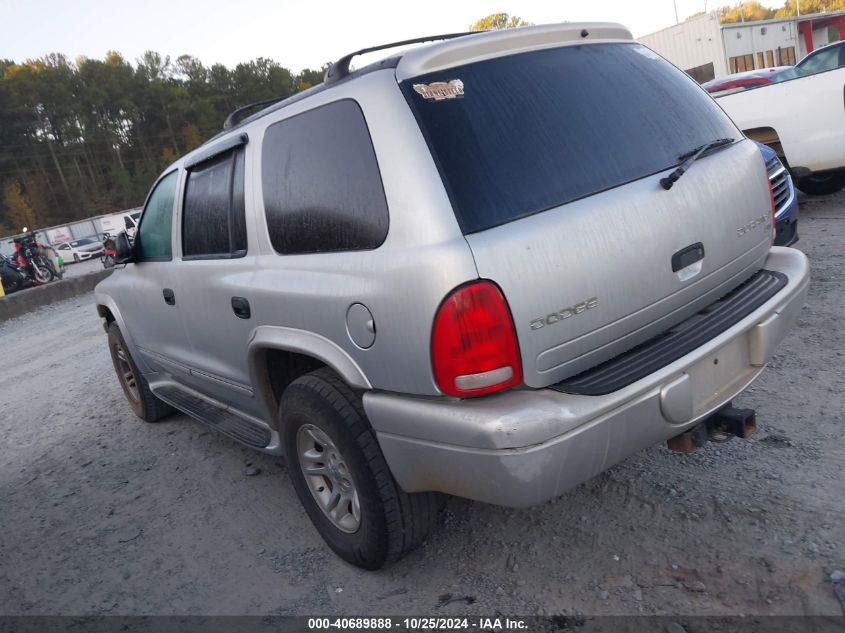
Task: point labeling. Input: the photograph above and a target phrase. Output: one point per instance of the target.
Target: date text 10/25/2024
(417, 624)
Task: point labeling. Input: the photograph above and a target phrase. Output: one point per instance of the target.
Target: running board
(217, 417)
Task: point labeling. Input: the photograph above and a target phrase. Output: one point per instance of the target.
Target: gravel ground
(103, 514)
(83, 268)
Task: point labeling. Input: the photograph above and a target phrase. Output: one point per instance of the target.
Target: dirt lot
(103, 514)
(83, 268)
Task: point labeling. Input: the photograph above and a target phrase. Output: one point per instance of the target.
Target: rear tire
(135, 387)
(821, 184)
(389, 522)
(43, 274)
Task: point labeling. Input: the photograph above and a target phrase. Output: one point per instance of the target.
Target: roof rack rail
(340, 68)
(233, 115)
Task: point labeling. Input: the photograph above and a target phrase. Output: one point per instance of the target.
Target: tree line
(753, 10)
(83, 138)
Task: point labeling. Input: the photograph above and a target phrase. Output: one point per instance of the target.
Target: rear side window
(154, 233)
(213, 215)
(535, 130)
(321, 182)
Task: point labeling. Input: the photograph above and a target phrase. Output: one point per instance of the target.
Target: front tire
(821, 184)
(135, 387)
(341, 477)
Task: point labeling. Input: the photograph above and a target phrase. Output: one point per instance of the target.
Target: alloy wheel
(125, 373)
(328, 478)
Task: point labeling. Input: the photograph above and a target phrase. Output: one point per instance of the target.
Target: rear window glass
(535, 130)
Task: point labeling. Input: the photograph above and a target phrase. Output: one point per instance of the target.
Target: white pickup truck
(803, 120)
(121, 222)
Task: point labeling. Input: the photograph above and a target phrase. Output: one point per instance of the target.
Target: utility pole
(741, 14)
(675, 4)
(798, 7)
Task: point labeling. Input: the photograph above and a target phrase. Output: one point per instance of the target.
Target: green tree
(262, 79)
(497, 22)
(753, 10)
(191, 135)
(745, 11)
(790, 8)
(19, 211)
(192, 70)
(308, 78)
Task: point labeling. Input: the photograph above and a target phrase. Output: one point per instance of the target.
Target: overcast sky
(296, 33)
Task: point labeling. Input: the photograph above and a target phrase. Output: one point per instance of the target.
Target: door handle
(240, 306)
(169, 297)
(687, 256)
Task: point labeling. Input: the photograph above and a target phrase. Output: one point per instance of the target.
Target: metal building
(706, 49)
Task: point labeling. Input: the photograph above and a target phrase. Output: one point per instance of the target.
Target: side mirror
(124, 253)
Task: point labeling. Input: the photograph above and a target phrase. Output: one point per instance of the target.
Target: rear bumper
(523, 447)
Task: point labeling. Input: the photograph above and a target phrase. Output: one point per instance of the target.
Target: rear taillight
(474, 350)
(774, 211)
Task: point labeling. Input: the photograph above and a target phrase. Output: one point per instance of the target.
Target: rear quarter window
(535, 130)
(321, 182)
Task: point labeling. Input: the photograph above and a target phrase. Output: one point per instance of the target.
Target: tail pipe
(725, 424)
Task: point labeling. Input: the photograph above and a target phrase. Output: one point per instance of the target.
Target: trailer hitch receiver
(726, 423)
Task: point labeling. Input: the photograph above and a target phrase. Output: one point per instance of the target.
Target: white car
(79, 250)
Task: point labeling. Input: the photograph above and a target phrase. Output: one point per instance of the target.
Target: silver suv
(492, 267)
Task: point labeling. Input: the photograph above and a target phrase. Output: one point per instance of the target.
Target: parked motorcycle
(30, 260)
(116, 250)
(109, 251)
(12, 277)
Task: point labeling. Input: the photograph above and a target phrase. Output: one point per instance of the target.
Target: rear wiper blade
(667, 181)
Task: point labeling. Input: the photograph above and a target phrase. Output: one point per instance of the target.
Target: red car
(742, 81)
